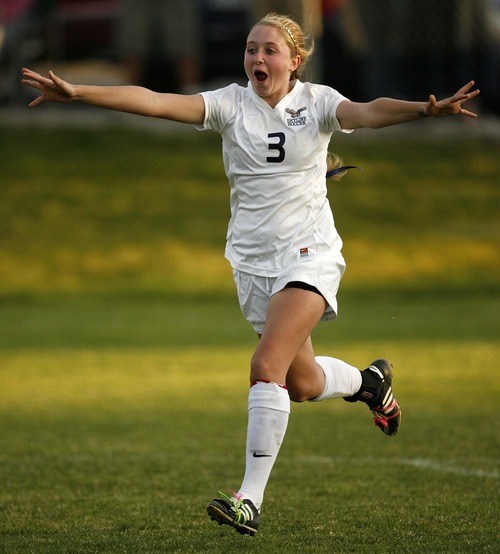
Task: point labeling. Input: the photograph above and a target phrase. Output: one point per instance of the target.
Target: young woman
(281, 242)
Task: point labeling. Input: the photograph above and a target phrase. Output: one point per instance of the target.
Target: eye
(270, 51)
(251, 50)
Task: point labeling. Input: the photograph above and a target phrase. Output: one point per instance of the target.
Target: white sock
(268, 411)
(341, 379)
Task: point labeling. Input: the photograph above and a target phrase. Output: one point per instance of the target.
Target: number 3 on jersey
(279, 141)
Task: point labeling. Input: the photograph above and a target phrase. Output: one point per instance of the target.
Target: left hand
(52, 89)
(452, 105)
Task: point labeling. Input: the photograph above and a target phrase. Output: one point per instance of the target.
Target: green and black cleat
(235, 512)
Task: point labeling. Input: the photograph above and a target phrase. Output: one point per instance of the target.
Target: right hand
(453, 105)
(52, 89)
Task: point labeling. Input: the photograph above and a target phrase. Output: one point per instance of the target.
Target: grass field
(123, 355)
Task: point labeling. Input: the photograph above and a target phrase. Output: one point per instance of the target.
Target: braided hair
(299, 44)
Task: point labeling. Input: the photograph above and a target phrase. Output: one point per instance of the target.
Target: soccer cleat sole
(216, 514)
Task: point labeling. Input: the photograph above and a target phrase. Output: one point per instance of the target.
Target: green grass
(124, 358)
(86, 210)
(119, 450)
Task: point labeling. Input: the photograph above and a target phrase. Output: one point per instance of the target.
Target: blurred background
(399, 48)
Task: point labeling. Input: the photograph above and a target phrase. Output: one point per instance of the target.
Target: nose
(259, 58)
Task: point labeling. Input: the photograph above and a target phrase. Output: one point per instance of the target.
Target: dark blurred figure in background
(443, 47)
(158, 40)
(339, 54)
(259, 8)
(457, 39)
(492, 61)
(361, 45)
(21, 41)
(396, 48)
(366, 48)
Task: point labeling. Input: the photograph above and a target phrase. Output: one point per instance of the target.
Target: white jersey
(275, 160)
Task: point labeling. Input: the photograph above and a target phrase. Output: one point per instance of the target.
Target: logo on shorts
(296, 119)
(304, 252)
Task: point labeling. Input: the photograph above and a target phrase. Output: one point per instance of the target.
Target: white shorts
(254, 291)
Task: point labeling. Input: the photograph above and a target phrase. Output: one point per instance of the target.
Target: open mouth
(260, 76)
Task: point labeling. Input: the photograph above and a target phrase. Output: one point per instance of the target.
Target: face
(269, 63)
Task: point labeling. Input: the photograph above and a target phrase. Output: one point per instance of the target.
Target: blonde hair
(299, 44)
(333, 161)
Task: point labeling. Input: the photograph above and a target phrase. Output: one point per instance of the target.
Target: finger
(468, 113)
(55, 79)
(473, 93)
(466, 87)
(459, 98)
(30, 74)
(465, 97)
(37, 78)
(30, 83)
(35, 102)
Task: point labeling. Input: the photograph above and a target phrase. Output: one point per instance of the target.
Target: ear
(295, 62)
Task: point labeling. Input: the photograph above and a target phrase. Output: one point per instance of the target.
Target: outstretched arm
(383, 112)
(132, 99)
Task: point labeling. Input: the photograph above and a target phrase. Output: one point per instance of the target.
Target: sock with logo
(268, 411)
(341, 379)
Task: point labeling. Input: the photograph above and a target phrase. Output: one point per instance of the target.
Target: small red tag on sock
(252, 383)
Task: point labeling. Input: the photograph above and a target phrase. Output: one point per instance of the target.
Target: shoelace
(381, 418)
(242, 512)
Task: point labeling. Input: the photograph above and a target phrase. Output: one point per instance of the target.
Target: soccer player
(281, 242)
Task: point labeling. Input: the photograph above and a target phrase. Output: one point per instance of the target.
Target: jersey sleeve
(220, 107)
(331, 100)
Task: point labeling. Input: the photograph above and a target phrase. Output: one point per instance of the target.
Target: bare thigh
(285, 343)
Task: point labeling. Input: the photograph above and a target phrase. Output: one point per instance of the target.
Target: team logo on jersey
(296, 119)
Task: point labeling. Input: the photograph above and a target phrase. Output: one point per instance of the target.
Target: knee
(261, 368)
(264, 368)
(297, 395)
(297, 392)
